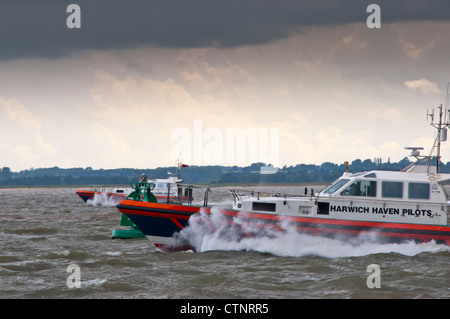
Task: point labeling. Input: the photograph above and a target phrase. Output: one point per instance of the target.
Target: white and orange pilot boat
(164, 190)
(380, 206)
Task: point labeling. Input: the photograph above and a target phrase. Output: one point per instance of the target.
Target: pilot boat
(144, 191)
(101, 194)
(376, 206)
(164, 189)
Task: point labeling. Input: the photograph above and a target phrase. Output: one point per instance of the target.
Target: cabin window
(265, 207)
(392, 189)
(323, 208)
(334, 187)
(419, 190)
(361, 188)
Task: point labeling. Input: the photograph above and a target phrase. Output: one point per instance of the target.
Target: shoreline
(211, 185)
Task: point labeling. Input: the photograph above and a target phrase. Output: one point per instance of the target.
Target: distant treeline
(300, 174)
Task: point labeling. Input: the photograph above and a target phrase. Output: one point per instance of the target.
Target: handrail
(143, 191)
(205, 199)
(234, 192)
(193, 185)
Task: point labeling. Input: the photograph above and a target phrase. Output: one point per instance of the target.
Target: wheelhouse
(385, 185)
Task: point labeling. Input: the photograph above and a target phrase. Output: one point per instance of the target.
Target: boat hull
(89, 195)
(159, 222)
(117, 197)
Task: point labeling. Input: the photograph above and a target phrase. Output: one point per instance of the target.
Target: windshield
(165, 185)
(335, 186)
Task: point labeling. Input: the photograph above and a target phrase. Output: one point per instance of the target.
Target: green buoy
(141, 191)
(132, 232)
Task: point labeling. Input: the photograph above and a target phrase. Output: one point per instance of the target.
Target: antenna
(447, 97)
(441, 127)
(415, 151)
(430, 115)
(447, 111)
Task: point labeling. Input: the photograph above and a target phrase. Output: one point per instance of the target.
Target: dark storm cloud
(37, 28)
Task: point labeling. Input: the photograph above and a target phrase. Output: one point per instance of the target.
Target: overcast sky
(140, 79)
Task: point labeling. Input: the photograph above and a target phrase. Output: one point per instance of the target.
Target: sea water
(44, 231)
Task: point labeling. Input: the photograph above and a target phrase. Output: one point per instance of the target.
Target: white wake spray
(214, 231)
(102, 200)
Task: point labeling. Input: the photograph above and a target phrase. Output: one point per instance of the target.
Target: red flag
(184, 165)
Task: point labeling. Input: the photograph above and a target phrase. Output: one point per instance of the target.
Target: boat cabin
(380, 196)
(165, 186)
(386, 185)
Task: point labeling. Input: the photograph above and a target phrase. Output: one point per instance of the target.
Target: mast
(441, 127)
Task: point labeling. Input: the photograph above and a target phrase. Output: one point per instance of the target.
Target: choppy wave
(43, 231)
(207, 232)
(102, 199)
